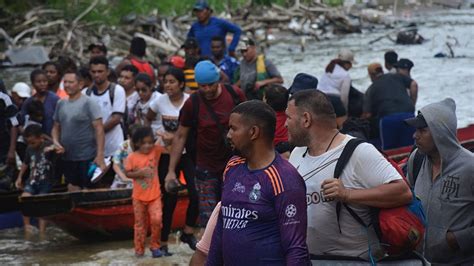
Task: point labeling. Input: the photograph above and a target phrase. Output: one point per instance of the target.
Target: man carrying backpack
(205, 114)
(442, 172)
(112, 102)
(367, 181)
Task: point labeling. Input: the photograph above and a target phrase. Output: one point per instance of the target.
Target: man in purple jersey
(263, 215)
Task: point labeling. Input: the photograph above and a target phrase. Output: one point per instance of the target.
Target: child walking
(142, 166)
(39, 161)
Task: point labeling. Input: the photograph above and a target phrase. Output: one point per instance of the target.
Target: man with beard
(262, 218)
(368, 180)
(207, 114)
(445, 185)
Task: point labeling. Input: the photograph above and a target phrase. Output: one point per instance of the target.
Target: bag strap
(233, 93)
(415, 161)
(340, 165)
(112, 86)
(196, 104)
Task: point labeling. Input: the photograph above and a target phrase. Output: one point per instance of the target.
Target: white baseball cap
(346, 55)
(22, 89)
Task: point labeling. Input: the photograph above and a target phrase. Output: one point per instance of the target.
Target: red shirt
(143, 67)
(211, 154)
(281, 132)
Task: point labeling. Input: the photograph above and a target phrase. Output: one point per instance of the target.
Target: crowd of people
(263, 154)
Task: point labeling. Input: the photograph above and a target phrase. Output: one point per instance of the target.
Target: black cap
(404, 63)
(417, 122)
(99, 46)
(190, 43)
(303, 81)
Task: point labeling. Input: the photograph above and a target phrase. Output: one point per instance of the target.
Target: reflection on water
(60, 248)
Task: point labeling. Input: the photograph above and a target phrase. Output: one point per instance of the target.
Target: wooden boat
(108, 213)
(101, 214)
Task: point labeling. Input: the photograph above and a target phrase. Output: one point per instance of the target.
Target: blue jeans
(38, 187)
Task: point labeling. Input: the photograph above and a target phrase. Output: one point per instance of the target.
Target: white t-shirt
(141, 109)
(132, 101)
(367, 168)
(167, 113)
(336, 83)
(114, 137)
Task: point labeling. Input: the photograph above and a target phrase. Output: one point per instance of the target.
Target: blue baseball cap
(206, 72)
(200, 5)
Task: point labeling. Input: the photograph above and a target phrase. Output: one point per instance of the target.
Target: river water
(437, 78)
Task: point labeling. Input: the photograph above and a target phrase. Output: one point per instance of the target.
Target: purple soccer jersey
(263, 216)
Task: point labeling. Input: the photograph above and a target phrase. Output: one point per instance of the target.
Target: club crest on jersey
(255, 193)
(238, 187)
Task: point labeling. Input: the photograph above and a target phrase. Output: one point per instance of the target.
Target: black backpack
(191, 142)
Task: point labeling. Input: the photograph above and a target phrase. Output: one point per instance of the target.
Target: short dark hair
(66, 63)
(85, 73)
(316, 102)
(259, 114)
(145, 78)
(36, 73)
(130, 68)
(178, 74)
(99, 60)
(138, 46)
(141, 133)
(219, 39)
(33, 131)
(78, 74)
(277, 97)
(391, 57)
(55, 65)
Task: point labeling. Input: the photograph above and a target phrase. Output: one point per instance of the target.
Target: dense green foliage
(111, 11)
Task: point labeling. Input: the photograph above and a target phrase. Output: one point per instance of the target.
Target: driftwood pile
(164, 35)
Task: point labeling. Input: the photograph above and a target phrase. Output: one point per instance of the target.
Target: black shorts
(337, 104)
(76, 172)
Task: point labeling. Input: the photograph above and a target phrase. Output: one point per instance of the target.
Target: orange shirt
(145, 189)
(61, 93)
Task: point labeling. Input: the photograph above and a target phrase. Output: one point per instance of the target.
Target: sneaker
(164, 251)
(139, 255)
(156, 253)
(189, 239)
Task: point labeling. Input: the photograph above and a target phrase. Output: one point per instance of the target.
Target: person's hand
(171, 176)
(59, 148)
(334, 189)
(19, 183)
(452, 242)
(11, 158)
(259, 84)
(147, 172)
(167, 137)
(99, 161)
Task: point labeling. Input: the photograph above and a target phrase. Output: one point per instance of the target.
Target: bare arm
(275, 80)
(198, 259)
(56, 133)
(140, 173)
(414, 91)
(150, 116)
(100, 139)
(391, 195)
(112, 122)
(345, 88)
(120, 173)
(19, 181)
(179, 141)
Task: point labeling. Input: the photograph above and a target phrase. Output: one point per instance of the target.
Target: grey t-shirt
(77, 131)
(248, 75)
